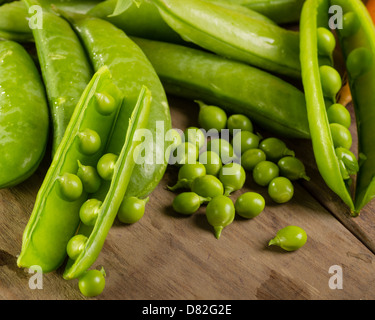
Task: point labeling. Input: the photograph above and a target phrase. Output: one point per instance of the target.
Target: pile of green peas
(212, 168)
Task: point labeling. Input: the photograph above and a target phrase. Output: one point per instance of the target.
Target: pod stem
(289, 152)
(306, 177)
(183, 183)
(275, 241)
(218, 230)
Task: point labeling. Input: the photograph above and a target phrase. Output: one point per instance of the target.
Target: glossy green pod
(114, 193)
(315, 15)
(24, 121)
(234, 35)
(236, 87)
(357, 40)
(131, 70)
(55, 216)
(65, 68)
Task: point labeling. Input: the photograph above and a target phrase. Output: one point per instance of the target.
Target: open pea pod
(114, 192)
(55, 217)
(357, 40)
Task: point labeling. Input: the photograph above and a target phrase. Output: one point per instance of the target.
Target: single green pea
(207, 186)
(106, 104)
(292, 168)
(223, 148)
(188, 202)
(289, 238)
(220, 213)
(264, 172)
(249, 205)
(89, 212)
(106, 166)
(75, 246)
(132, 209)
(351, 24)
(281, 190)
(245, 140)
(240, 122)
(70, 187)
(92, 283)
(195, 136)
(348, 162)
(233, 177)
(326, 41)
(186, 175)
(341, 136)
(275, 149)
(212, 162)
(251, 158)
(337, 113)
(90, 178)
(359, 62)
(186, 153)
(211, 117)
(173, 136)
(90, 141)
(331, 81)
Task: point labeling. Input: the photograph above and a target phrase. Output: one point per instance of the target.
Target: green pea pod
(115, 192)
(234, 35)
(131, 70)
(55, 217)
(23, 115)
(65, 68)
(236, 87)
(357, 40)
(315, 15)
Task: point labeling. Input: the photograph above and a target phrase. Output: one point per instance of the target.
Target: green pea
(89, 212)
(292, 168)
(341, 136)
(188, 202)
(220, 213)
(106, 103)
(289, 238)
(281, 190)
(326, 41)
(106, 166)
(233, 177)
(240, 122)
(92, 283)
(223, 148)
(212, 162)
(331, 81)
(337, 113)
(132, 209)
(249, 205)
(75, 246)
(245, 140)
(90, 178)
(359, 62)
(251, 158)
(186, 175)
(90, 141)
(174, 137)
(185, 153)
(264, 172)
(211, 117)
(207, 186)
(348, 162)
(275, 149)
(195, 136)
(351, 24)
(70, 187)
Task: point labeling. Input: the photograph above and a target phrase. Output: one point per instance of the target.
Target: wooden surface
(166, 256)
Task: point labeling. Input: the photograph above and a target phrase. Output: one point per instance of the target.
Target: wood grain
(166, 256)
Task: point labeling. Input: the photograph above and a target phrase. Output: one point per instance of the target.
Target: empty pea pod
(55, 216)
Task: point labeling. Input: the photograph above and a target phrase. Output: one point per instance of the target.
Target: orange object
(371, 9)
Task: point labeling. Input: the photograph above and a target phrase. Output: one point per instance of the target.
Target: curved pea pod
(55, 217)
(236, 87)
(131, 70)
(112, 194)
(315, 15)
(234, 35)
(65, 68)
(23, 115)
(357, 40)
